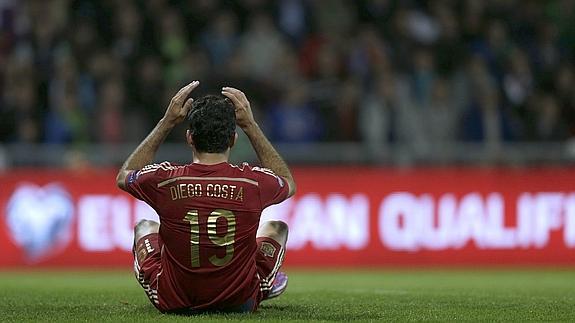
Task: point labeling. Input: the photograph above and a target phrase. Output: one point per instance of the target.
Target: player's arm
(267, 154)
(145, 152)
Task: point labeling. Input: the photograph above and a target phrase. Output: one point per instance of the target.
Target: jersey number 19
(227, 240)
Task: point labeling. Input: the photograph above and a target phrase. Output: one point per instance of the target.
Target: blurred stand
(337, 153)
(382, 82)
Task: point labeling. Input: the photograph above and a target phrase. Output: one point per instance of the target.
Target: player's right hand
(179, 106)
(244, 115)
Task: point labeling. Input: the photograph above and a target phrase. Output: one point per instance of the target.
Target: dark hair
(212, 123)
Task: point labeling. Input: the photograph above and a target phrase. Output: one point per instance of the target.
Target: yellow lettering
(182, 189)
(232, 189)
(174, 193)
(240, 196)
(191, 190)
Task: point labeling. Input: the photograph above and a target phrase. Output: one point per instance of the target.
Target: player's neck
(210, 158)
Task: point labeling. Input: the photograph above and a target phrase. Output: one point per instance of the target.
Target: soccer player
(207, 253)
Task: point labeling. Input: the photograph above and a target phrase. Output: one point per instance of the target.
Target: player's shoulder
(163, 166)
(163, 169)
(258, 173)
(246, 168)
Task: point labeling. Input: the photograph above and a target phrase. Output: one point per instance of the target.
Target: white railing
(44, 155)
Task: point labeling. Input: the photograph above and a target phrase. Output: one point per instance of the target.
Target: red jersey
(209, 215)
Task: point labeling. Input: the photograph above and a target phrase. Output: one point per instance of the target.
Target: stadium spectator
(110, 114)
(376, 115)
(484, 118)
(293, 119)
(261, 46)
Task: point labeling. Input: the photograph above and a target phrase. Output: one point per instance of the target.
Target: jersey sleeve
(273, 188)
(142, 184)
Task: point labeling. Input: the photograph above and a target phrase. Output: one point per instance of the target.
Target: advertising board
(341, 216)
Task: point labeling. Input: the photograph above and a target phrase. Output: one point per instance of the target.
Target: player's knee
(278, 230)
(144, 227)
(279, 227)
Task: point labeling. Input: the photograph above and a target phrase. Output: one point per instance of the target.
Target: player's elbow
(292, 187)
(121, 179)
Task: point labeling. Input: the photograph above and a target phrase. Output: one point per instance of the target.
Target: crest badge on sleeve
(268, 249)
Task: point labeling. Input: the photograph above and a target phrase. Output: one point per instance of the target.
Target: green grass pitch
(377, 295)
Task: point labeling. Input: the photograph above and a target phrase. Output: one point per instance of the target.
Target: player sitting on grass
(208, 253)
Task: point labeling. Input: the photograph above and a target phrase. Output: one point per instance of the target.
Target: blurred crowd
(424, 74)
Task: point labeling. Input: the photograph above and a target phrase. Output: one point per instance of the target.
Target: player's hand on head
(181, 104)
(244, 115)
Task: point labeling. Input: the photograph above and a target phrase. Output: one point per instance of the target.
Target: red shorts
(148, 266)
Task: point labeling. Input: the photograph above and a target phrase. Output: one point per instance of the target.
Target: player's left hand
(179, 106)
(244, 115)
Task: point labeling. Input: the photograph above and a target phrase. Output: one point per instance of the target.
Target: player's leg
(272, 239)
(147, 260)
(145, 227)
(277, 230)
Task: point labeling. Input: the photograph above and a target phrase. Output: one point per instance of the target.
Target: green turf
(410, 295)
